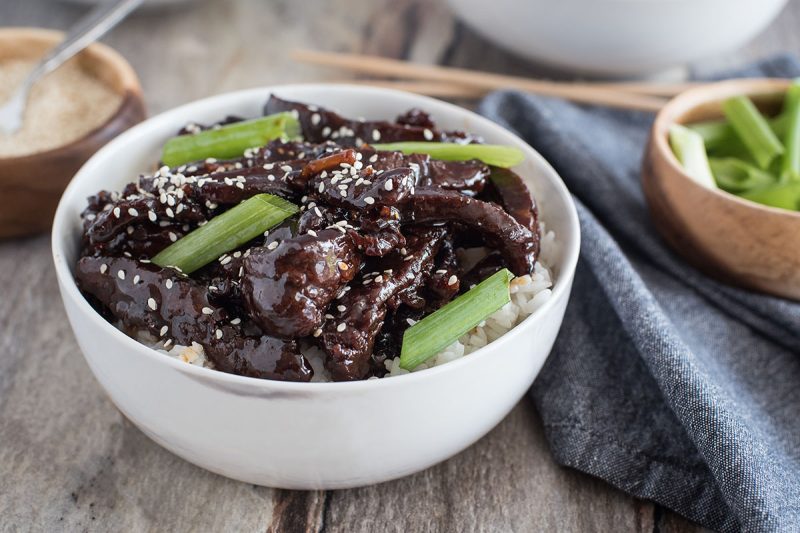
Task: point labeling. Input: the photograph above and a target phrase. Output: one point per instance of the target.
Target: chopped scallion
(444, 326)
(229, 141)
(491, 154)
(790, 167)
(690, 151)
(753, 130)
(225, 232)
(784, 195)
(734, 175)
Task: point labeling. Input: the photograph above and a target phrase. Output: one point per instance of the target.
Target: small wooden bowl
(727, 237)
(31, 185)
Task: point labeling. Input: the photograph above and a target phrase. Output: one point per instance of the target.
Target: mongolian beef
(305, 243)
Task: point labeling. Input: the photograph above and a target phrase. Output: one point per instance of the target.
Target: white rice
(528, 293)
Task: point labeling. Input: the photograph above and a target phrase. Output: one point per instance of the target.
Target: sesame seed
(389, 185)
(286, 168)
(169, 212)
(441, 271)
(343, 193)
(376, 135)
(428, 134)
(369, 200)
(166, 344)
(343, 266)
(116, 212)
(453, 280)
(236, 321)
(341, 308)
(341, 327)
(326, 131)
(315, 118)
(103, 268)
(121, 274)
(208, 311)
(378, 279)
(163, 331)
(218, 334)
(312, 233)
(151, 303)
(136, 279)
(133, 212)
(225, 260)
(272, 245)
(172, 237)
(168, 284)
(317, 332)
(152, 216)
(321, 186)
(373, 158)
(317, 211)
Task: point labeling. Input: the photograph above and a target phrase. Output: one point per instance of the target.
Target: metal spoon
(90, 28)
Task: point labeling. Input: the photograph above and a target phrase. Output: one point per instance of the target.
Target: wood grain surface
(70, 462)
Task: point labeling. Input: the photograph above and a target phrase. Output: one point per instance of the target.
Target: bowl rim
(570, 244)
(130, 87)
(704, 94)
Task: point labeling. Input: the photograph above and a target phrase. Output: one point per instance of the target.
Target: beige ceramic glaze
(31, 185)
(732, 239)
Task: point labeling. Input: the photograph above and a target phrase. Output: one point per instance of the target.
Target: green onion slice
(790, 165)
(784, 196)
(444, 326)
(690, 151)
(753, 129)
(229, 141)
(225, 232)
(735, 175)
(719, 134)
(491, 154)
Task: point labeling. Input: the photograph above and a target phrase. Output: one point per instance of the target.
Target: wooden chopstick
(429, 88)
(615, 95)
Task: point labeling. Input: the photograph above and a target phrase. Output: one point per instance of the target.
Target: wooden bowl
(727, 237)
(31, 185)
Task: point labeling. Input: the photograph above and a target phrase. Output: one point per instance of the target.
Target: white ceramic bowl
(618, 37)
(310, 435)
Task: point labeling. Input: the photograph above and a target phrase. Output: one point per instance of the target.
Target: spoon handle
(87, 30)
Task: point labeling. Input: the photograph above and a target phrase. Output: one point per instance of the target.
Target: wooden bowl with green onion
(730, 235)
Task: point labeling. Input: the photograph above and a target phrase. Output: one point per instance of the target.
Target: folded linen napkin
(663, 382)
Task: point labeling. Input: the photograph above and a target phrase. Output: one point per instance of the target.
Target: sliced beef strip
(416, 117)
(380, 234)
(507, 189)
(194, 127)
(320, 125)
(358, 315)
(444, 282)
(287, 289)
(143, 209)
(175, 308)
(360, 189)
(518, 244)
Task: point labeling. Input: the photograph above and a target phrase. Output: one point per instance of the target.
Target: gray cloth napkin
(663, 382)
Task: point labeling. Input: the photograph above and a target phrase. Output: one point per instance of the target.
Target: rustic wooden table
(70, 461)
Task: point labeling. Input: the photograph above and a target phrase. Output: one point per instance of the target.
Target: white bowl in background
(618, 37)
(311, 435)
